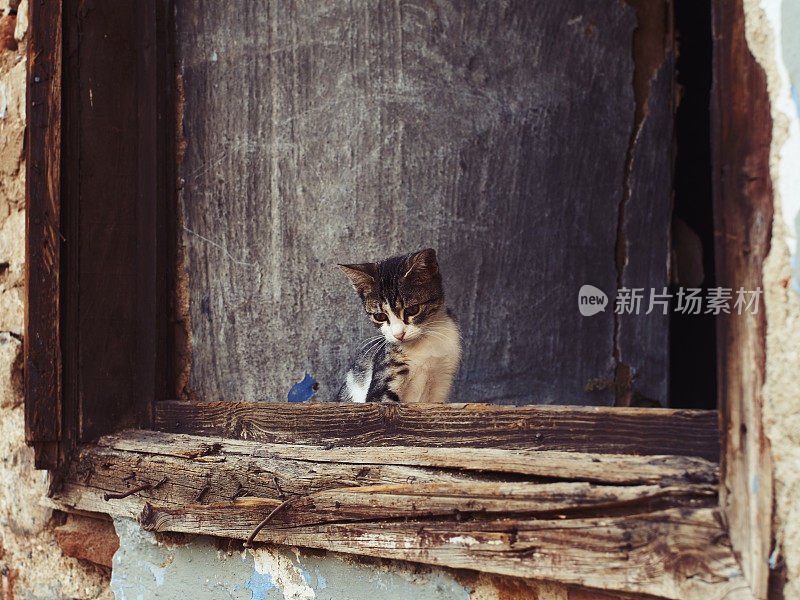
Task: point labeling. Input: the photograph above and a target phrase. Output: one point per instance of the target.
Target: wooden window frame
(623, 499)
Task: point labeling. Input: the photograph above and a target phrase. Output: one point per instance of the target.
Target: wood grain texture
(107, 203)
(628, 523)
(645, 212)
(116, 113)
(496, 133)
(599, 467)
(743, 212)
(155, 197)
(561, 428)
(42, 234)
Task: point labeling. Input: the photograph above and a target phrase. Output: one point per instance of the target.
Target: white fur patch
(358, 390)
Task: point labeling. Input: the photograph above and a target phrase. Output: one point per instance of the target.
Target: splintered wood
(642, 524)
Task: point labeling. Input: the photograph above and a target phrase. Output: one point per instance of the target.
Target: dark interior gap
(692, 377)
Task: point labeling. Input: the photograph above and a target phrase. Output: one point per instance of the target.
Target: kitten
(418, 354)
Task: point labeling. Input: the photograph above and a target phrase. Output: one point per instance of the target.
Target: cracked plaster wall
(772, 35)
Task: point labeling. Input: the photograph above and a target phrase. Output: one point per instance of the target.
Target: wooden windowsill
(605, 430)
(627, 521)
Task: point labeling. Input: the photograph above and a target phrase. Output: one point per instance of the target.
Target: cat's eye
(380, 317)
(411, 310)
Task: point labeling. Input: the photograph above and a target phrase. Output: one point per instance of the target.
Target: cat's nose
(400, 335)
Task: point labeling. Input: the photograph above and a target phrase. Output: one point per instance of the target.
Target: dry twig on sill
(249, 542)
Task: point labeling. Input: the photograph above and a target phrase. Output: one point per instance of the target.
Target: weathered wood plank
(108, 119)
(215, 470)
(115, 117)
(604, 468)
(644, 215)
(599, 430)
(453, 500)
(672, 552)
(743, 212)
(498, 498)
(644, 524)
(42, 238)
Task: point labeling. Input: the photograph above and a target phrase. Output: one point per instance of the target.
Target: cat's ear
(361, 276)
(422, 265)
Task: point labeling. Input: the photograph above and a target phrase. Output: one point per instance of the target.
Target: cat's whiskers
(369, 341)
(374, 346)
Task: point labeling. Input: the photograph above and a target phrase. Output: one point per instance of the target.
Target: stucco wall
(772, 34)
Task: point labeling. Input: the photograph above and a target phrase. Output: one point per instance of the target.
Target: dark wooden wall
(115, 160)
(507, 135)
(99, 158)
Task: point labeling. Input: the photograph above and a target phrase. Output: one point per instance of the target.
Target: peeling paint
(259, 584)
(303, 390)
(197, 569)
(322, 583)
(285, 574)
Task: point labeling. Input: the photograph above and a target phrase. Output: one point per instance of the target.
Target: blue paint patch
(205, 307)
(303, 390)
(754, 485)
(259, 584)
(796, 99)
(322, 583)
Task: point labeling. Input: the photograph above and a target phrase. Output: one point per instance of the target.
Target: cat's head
(402, 295)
